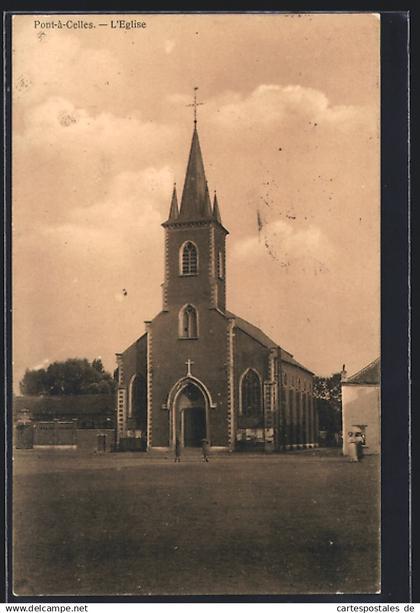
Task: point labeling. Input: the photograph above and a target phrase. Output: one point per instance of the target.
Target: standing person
(177, 450)
(205, 449)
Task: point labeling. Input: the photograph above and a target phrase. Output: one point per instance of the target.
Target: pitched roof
(369, 374)
(195, 201)
(287, 357)
(266, 341)
(134, 344)
(253, 331)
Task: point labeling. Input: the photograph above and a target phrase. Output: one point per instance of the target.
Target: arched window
(220, 267)
(251, 404)
(189, 259)
(188, 322)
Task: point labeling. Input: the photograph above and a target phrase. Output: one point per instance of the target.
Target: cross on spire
(189, 363)
(195, 104)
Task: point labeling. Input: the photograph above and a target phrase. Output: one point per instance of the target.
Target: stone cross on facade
(189, 363)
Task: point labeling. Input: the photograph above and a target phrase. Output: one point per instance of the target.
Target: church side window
(189, 259)
(188, 322)
(251, 404)
(220, 271)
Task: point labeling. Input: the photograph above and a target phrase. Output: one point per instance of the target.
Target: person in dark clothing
(205, 449)
(177, 450)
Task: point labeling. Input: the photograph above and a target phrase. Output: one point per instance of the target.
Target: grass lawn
(302, 522)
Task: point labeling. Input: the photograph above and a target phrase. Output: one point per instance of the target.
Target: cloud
(101, 131)
(57, 122)
(129, 215)
(67, 159)
(271, 104)
(54, 61)
(282, 242)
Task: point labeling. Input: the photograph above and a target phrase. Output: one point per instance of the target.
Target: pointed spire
(216, 210)
(207, 200)
(173, 212)
(195, 202)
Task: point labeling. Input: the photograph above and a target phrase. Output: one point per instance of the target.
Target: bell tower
(195, 242)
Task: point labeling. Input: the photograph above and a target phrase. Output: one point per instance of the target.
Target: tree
(34, 382)
(74, 376)
(327, 395)
(97, 365)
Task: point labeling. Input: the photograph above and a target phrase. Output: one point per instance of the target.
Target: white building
(361, 397)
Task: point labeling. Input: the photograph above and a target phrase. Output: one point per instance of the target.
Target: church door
(191, 408)
(194, 426)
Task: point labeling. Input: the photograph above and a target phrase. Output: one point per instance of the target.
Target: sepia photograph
(196, 304)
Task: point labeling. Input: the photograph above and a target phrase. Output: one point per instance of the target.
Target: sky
(289, 130)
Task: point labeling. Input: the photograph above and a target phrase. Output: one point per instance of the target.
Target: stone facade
(200, 372)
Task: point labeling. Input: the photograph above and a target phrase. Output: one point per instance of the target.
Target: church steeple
(173, 212)
(195, 202)
(195, 244)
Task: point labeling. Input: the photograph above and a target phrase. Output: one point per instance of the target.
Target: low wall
(96, 439)
(63, 435)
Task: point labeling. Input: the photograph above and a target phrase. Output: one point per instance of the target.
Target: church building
(199, 371)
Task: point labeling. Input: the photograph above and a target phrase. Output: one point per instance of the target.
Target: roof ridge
(363, 370)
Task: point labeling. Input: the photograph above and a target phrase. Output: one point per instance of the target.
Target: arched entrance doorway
(192, 422)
